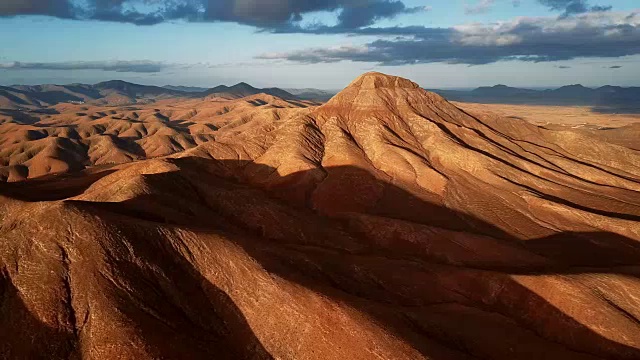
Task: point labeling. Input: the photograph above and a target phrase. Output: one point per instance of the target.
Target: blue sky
(453, 44)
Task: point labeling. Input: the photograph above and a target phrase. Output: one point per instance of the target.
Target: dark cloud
(57, 8)
(598, 8)
(280, 13)
(368, 13)
(563, 67)
(572, 7)
(528, 39)
(259, 13)
(615, 67)
(142, 66)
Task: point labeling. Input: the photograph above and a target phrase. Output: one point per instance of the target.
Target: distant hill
(45, 95)
(134, 91)
(114, 92)
(502, 90)
(118, 92)
(243, 89)
(605, 98)
(189, 89)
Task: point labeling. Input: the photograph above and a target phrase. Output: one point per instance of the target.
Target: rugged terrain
(387, 223)
(71, 137)
(118, 93)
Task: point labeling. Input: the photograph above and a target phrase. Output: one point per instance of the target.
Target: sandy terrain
(570, 116)
(617, 129)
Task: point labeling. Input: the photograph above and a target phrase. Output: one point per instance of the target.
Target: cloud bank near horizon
(140, 66)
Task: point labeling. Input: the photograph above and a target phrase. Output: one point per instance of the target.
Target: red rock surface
(387, 223)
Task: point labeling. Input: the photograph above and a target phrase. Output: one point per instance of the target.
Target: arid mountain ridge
(116, 92)
(385, 223)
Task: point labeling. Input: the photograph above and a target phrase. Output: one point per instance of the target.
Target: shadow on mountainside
(449, 284)
(186, 318)
(23, 335)
(178, 312)
(19, 116)
(53, 187)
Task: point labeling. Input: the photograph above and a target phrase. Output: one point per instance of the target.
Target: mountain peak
(112, 84)
(574, 86)
(243, 86)
(376, 80)
(374, 91)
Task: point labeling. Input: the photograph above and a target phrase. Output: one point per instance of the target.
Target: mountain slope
(44, 95)
(135, 90)
(386, 223)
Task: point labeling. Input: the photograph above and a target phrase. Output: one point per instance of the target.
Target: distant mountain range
(606, 98)
(117, 92)
(603, 99)
(243, 89)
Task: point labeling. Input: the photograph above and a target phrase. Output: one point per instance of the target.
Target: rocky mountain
(387, 223)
